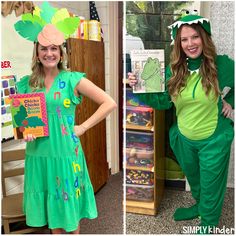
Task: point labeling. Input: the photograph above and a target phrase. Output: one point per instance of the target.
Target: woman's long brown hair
(179, 69)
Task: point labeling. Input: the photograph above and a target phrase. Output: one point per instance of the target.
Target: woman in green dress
(57, 187)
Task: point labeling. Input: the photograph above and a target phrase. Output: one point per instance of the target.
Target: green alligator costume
(202, 137)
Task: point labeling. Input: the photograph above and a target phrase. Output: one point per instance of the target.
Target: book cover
(29, 115)
(149, 68)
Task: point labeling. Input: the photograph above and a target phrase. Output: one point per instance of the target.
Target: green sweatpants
(205, 164)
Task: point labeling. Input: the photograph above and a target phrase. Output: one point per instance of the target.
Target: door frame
(114, 88)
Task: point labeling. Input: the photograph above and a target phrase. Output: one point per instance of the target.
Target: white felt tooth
(192, 71)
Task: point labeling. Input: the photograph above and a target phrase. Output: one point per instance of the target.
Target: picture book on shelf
(149, 68)
(29, 115)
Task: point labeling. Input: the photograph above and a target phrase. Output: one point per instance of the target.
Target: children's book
(29, 115)
(149, 68)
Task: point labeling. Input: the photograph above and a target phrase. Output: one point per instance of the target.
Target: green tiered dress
(57, 187)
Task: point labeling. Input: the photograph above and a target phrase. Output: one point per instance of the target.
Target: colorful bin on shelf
(132, 99)
(140, 193)
(139, 140)
(139, 157)
(139, 116)
(139, 177)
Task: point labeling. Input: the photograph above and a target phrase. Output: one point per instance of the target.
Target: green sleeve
(22, 86)
(159, 101)
(225, 72)
(75, 78)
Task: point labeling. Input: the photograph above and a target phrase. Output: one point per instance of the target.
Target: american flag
(94, 14)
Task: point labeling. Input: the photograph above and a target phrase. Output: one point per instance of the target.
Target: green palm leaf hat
(47, 25)
(190, 19)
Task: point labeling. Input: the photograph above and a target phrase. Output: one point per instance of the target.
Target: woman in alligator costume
(202, 137)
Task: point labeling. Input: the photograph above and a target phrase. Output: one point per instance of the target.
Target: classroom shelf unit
(145, 170)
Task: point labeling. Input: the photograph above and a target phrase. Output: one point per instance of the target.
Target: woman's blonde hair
(179, 69)
(37, 77)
